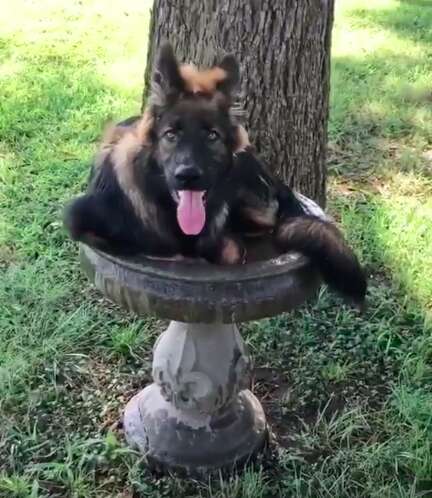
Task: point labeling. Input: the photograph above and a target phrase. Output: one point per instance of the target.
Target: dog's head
(192, 134)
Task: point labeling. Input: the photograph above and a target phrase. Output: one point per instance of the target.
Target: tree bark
(283, 47)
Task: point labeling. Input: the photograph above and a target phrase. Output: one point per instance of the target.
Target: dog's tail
(326, 247)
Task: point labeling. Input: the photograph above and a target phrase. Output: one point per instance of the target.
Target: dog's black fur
(187, 140)
(261, 203)
(131, 202)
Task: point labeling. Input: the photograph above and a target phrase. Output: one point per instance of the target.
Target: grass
(348, 396)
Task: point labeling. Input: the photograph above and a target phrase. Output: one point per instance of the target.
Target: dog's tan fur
(202, 81)
(124, 144)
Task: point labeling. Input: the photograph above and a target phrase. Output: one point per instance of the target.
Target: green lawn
(349, 396)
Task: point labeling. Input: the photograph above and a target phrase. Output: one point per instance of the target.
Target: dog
(157, 183)
(183, 179)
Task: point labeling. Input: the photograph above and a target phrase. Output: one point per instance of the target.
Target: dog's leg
(98, 221)
(227, 250)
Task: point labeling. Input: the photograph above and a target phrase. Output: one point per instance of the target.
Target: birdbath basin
(199, 414)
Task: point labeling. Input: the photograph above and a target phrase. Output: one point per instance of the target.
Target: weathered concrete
(199, 414)
(200, 292)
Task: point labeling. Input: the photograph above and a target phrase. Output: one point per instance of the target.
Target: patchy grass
(348, 396)
(381, 137)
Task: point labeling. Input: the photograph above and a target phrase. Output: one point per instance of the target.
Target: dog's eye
(212, 135)
(170, 135)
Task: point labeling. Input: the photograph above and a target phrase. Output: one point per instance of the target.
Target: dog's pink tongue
(191, 214)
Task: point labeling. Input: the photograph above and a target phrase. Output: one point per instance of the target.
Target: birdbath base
(198, 415)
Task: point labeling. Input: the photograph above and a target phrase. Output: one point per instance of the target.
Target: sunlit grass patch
(382, 71)
(393, 228)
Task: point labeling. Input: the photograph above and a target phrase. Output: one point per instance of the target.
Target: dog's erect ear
(230, 65)
(167, 83)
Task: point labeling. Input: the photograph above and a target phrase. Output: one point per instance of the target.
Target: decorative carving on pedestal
(198, 415)
(200, 367)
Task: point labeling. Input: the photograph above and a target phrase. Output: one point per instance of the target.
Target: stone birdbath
(199, 415)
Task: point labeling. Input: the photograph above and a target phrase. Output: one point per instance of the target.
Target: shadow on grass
(381, 115)
(382, 97)
(326, 379)
(377, 110)
(371, 96)
(381, 124)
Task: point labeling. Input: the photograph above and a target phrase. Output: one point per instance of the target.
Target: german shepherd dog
(182, 179)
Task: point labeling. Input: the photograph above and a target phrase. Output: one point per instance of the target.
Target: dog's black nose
(187, 174)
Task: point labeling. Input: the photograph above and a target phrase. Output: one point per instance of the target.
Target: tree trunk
(283, 47)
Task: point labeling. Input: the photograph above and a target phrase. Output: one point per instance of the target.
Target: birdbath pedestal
(199, 415)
